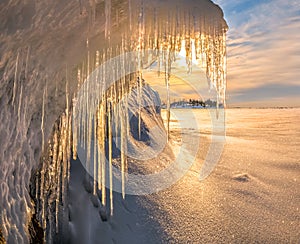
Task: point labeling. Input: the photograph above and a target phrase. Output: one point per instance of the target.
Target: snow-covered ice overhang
(43, 45)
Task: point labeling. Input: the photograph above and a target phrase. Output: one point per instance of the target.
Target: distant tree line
(195, 103)
(207, 103)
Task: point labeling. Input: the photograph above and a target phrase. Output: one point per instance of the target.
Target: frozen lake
(251, 196)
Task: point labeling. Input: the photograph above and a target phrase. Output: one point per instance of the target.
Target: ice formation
(48, 53)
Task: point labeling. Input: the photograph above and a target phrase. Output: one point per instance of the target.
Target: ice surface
(48, 51)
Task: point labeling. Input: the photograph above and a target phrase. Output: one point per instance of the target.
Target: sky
(263, 50)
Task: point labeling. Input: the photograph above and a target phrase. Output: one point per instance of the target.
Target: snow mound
(242, 177)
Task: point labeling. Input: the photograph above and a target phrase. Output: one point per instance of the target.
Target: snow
(251, 196)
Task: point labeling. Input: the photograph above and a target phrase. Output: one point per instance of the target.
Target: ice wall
(48, 50)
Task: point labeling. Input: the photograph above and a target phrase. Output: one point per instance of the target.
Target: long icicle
(42, 174)
(123, 149)
(58, 174)
(109, 114)
(95, 156)
(99, 147)
(167, 83)
(103, 130)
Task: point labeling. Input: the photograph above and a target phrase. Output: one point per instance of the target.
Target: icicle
(58, 179)
(65, 141)
(109, 114)
(140, 50)
(37, 194)
(140, 106)
(167, 83)
(99, 152)
(88, 58)
(103, 158)
(64, 158)
(43, 119)
(55, 150)
(20, 103)
(123, 149)
(88, 118)
(69, 147)
(42, 174)
(55, 160)
(75, 129)
(103, 120)
(67, 93)
(89, 137)
(95, 156)
(188, 50)
(123, 120)
(76, 119)
(115, 107)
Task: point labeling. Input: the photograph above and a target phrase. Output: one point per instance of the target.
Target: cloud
(274, 91)
(263, 46)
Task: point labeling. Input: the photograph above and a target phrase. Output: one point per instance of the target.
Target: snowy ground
(252, 196)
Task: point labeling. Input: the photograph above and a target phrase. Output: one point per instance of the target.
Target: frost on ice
(48, 52)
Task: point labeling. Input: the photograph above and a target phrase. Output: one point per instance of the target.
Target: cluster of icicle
(149, 28)
(51, 182)
(109, 118)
